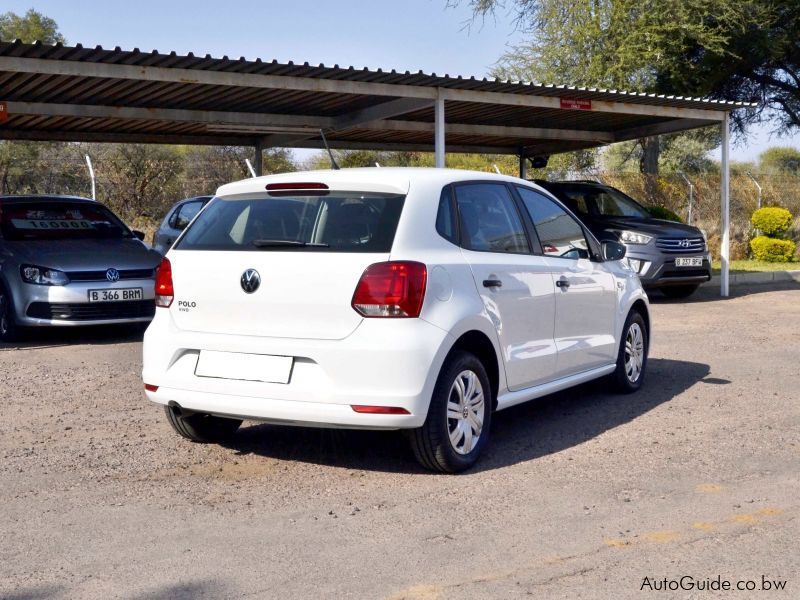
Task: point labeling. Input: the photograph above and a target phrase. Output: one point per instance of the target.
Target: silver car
(178, 217)
(69, 261)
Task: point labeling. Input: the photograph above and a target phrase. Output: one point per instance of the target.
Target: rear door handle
(489, 283)
(562, 283)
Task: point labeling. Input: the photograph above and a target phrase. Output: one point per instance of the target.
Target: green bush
(772, 249)
(659, 212)
(772, 220)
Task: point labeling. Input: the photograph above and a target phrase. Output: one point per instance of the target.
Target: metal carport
(72, 93)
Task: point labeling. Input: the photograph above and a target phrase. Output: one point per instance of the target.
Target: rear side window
(489, 220)
(445, 221)
(339, 222)
(559, 233)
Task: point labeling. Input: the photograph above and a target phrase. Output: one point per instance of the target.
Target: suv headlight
(632, 237)
(43, 275)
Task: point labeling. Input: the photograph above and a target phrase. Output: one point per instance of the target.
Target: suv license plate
(694, 261)
(118, 295)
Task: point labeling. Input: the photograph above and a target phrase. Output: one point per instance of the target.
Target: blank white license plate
(119, 295)
(694, 261)
(247, 367)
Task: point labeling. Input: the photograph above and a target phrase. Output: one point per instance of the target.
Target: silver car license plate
(118, 295)
(694, 261)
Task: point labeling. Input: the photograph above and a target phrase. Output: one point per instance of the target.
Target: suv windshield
(339, 222)
(59, 220)
(602, 202)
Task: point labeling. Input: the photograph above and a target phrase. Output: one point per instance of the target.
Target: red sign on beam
(576, 104)
(3, 112)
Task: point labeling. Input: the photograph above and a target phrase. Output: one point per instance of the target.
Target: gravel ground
(581, 495)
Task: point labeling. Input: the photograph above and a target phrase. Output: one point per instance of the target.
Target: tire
(679, 291)
(632, 355)
(464, 385)
(201, 427)
(9, 331)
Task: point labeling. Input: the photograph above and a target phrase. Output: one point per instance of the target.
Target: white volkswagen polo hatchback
(417, 299)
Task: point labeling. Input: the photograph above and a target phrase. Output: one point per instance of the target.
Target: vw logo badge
(112, 275)
(250, 281)
(684, 243)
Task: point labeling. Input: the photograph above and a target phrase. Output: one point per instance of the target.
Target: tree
(34, 26)
(620, 44)
(779, 160)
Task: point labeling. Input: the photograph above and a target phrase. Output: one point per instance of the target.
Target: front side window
(560, 234)
(489, 221)
(59, 220)
(335, 222)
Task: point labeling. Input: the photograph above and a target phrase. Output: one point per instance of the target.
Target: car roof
(394, 180)
(45, 198)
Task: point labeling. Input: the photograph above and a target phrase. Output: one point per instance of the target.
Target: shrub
(659, 212)
(772, 249)
(772, 220)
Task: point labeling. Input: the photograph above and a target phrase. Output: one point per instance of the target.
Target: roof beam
(222, 118)
(131, 138)
(493, 131)
(334, 86)
(407, 147)
(385, 110)
(673, 126)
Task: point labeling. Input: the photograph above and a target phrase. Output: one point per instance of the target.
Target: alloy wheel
(634, 352)
(466, 409)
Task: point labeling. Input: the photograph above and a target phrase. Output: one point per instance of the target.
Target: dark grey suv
(68, 261)
(667, 255)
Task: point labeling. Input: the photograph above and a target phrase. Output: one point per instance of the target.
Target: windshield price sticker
(52, 224)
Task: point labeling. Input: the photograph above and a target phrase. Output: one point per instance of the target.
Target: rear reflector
(164, 290)
(150, 387)
(283, 187)
(379, 410)
(391, 289)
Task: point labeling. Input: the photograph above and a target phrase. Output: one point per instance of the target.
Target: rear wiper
(287, 244)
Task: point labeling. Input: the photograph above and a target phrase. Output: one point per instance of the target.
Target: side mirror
(139, 235)
(614, 250)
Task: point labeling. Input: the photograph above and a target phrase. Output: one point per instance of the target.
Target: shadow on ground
(522, 433)
(54, 337)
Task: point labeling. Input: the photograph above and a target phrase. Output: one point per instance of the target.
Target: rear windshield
(59, 220)
(339, 222)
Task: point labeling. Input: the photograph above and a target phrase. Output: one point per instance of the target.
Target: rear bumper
(384, 362)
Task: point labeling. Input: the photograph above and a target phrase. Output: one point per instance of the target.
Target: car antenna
(328, 148)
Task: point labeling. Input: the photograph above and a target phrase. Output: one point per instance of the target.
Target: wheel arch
(478, 343)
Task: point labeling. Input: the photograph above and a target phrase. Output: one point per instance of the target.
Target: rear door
(515, 284)
(586, 296)
(308, 253)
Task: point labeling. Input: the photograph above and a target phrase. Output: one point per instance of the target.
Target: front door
(586, 296)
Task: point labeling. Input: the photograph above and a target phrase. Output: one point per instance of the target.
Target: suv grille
(101, 275)
(98, 311)
(684, 245)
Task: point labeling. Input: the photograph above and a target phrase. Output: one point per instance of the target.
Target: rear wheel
(632, 356)
(679, 291)
(9, 332)
(201, 427)
(460, 413)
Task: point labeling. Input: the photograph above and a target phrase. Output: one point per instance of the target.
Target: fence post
(758, 185)
(691, 196)
(91, 176)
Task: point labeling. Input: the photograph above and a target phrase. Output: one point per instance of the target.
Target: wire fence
(141, 188)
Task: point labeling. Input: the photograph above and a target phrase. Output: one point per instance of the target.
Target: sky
(401, 34)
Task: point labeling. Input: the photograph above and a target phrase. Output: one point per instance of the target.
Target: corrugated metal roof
(31, 86)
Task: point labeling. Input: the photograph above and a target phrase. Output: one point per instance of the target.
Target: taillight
(164, 290)
(391, 289)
